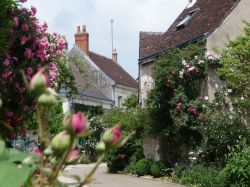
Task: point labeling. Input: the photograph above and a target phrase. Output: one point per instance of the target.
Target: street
(104, 179)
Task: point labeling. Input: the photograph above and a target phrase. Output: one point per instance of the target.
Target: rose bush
(28, 48)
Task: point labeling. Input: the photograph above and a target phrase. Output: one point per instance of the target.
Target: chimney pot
(114, 55)
(82, 39)
(78, 29)
(84, 28)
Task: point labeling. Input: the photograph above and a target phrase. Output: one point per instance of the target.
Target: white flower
(183, 62)
(216, 86)
(242, 98)
(201, 62)
(230, 117)
(191, 69)
(229, 90)
(206, 98)
(181, 73)
(196, 57)
(231, 109)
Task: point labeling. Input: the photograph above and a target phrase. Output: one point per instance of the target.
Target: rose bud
(47, 99)
(61, 142)
(101, 147)
(79, 124)
(39, 82)
(73, 156)
(48, 151)
(113, 137)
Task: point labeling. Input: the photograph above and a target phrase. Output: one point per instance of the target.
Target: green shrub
(89, 143)
(158, 169)
(200, 176)
(237, 170)
(130, 120)
(142, 167)
(84, 159)
(119, 159)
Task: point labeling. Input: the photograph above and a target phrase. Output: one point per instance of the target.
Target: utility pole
(112, 39)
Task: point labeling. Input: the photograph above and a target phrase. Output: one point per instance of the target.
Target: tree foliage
(235, 70)
(131, 101)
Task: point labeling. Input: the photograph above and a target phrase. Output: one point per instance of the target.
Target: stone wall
(151, 148)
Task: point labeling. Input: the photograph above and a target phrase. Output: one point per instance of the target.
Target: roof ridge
(151, 32)
(102, 56)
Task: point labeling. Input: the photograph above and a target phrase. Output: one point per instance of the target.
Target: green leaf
(12, 175)
(3, 151)
(18, 156)
(2, 146)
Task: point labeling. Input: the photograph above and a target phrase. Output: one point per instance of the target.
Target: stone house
(103, 81)
(210, 22)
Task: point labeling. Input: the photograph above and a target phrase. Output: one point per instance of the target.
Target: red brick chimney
(82, 39)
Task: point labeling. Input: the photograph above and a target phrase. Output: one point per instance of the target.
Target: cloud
(130, 17)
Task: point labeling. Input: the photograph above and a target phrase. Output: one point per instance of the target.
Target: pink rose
(34, 10)
(179, 107)
(117, 134)
(6, 62)
(25, 27)
(16, 21)
(79, 123)
(28, 53)
(23, 40)
(23, 1)
(29, 70)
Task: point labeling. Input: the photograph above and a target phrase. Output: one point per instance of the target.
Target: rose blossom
(179, 107)
(28, 53)
(34, 10)
(25, 27)
(16, 21)
(79, 123)
(117, 134)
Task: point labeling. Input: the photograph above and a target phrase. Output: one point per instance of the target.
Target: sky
(130, 17)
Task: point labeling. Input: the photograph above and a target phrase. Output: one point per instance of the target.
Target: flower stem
(42, 120)
(87, 179)
(61, 163)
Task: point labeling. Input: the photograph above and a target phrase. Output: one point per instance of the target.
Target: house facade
(100, 81)
(210, 22)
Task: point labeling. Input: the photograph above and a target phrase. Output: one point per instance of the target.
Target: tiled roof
(149, 42)
(210, 14)
(113, 70)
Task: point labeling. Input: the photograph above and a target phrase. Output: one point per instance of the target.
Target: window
(185, 20)
(119, 101)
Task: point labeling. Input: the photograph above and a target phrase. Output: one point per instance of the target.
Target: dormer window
(185, 20)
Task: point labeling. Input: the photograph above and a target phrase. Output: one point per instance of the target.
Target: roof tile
(209, 17)
(113, 70)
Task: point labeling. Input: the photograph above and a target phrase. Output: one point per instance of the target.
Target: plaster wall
(231, 27)
(122, 92)
(145, 81)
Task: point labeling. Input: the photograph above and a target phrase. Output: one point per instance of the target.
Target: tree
(131, 101)
(235, 70)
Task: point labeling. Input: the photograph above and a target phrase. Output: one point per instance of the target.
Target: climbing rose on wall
(29, 49)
